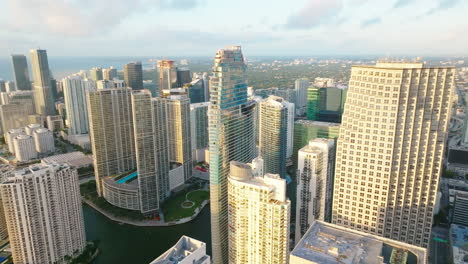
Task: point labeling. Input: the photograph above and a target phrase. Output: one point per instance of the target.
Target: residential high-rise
(301, 86)
(109, 74)
(2, 86)
(95, 74)
(42, 205)
(31, 128)
(390, 149)
(231, 136)
(133, 75)
(183, 77)
(186, 251)
(177, 109)
(151, 149)
(273, 134)
(10, 135)
(44, 140)
(111, 132)
(316, 165)
(14, 116)
(259, 215)
(167, 74)
(10, 87)
(44, 101)
(196, 91)
(20, 71)
(74, 93)
(199, 129)
(24, 146)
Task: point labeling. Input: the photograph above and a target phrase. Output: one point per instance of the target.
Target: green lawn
(172, 207)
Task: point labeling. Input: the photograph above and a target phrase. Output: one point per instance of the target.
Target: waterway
(140, 245)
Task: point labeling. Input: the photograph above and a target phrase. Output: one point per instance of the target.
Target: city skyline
(332, 27)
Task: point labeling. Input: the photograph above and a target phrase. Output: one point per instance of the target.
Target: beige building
(44, 140)
(259, 215)
(25, 148)
(43, 213)
(111, 132)
(390, 149)
(315, 168)
(177, 109)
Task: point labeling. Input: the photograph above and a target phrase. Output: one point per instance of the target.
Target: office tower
(44, 141)
(326, 243)
(44, 101)
(2, 86)
(186, 251)
(151, 148)
(178, 131)
(31, 128)
(109, 74)
(196, 91)
(287, 94)
(95, 74)
(314, 184)
(183, 77)
(10, 135)
(14, 116)
(167, 74)
(259, 215)
(301, 86)
(23, 98)
(231, 136)
(24, 148)
(325, 104)
(390, 149)
(273, 134)
(54, 123)
(74, 93)
(133, 75)
(111, 132)
(43, 213)
(199, 130)
(10, 86)
(306, 130)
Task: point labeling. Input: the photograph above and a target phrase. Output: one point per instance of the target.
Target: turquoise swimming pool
(127, 178)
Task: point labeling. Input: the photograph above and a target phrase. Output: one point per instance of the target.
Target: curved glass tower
(231, 137)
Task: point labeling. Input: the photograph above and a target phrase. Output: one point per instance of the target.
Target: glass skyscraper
(42, 83)
(231, 138)
(20, 70)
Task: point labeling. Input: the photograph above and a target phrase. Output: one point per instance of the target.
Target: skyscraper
(300, 86)
(133, 75)
(231, 135)
(183, 77)
(111, 132)
(95, 74)
(2, 86)
(20, 71)
(167, 75)
(177, 109)
(314, 184)
(74, 92)
(259, 215)
(199, 129)
(325, 104)
(109, 74)
(42, 205)
(273, 134)
(151, 148)
(42, 83)
(390, 149)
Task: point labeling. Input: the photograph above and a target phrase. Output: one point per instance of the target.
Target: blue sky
(262, 27)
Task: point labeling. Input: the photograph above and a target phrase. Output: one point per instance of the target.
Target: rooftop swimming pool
(128, 178)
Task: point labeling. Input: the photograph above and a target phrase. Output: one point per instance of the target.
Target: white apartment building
(44, 140)
(43, 213)
(25, 148)
(259, 215)
(186, 251)
(314, 184)
(31, 128)
(10, 135)
(390, 149)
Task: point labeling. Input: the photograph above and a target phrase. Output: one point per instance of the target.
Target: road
(439, 252)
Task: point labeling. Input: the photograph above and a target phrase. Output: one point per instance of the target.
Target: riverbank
(141, 223)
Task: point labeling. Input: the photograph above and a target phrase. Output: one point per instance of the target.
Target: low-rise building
(326, 243)
(186, 251)
(458, 243)
(54, 123)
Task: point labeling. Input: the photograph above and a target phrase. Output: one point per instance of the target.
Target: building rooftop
(459, 243)
(73, 159)
(329, 243)
(186, 250)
